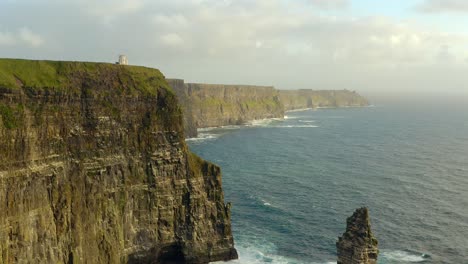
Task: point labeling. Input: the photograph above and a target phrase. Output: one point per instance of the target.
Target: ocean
(293, 182)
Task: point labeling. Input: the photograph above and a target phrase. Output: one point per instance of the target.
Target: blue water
(292, 183)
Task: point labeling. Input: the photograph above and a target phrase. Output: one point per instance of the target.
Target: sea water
(293, 182)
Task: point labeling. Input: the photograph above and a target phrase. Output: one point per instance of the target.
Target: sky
(376, 47)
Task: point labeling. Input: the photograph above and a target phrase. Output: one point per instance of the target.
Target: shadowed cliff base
(358, 245)
(94, 169)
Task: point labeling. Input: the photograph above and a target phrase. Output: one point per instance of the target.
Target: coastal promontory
(94, 169)
(307, 98)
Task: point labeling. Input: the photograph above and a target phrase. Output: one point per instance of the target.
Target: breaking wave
(296, 126)
(400, 256)
(258, 251)
(203, 137)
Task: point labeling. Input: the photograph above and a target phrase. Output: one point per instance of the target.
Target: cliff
(186, 102)
(358, 245)
(94, 169)
(212, 105)
(301, 99)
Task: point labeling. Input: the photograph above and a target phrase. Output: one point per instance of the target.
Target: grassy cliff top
(60, 75)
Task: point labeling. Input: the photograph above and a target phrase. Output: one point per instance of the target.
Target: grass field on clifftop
(58, 75)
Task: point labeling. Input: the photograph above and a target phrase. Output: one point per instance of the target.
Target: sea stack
(358, 245)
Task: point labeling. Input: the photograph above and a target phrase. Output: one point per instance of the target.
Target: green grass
(15, 73)
(8, 117)
(62, 75)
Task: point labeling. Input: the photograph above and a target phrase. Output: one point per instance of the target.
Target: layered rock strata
(301, 99)
(94, 169)
(213, 105)
(358, 245)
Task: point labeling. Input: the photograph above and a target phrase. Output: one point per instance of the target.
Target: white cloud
(171, 21)
(7, 38)
(22, 36)
(439, 6)
(107, 11)
(258, 44)
(330, 4)
(290, 44)
(172, 39)
(29, 37)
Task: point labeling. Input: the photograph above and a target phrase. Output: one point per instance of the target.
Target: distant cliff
(212, 105)
(301, 99)
(94, 169)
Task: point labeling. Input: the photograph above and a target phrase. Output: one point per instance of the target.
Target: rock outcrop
(301, 99)
(94, 169)
(213, 105)
(358, 245)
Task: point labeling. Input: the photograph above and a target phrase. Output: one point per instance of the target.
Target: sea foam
(296, 126)
(260, 252)
(400, 256)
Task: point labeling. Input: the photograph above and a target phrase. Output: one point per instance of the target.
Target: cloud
(22, 36)
(172, 39)
(290, 44)
(7, 38)
(443, 6)
(175, 20)
(107, 11)
(330, 4)
(29, 37)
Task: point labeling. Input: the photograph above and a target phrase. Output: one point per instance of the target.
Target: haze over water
(293, 183)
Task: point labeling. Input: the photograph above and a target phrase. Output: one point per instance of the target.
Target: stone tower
(123, 60)
(358, 245)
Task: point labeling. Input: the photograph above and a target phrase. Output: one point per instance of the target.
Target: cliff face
(358, 245)
(94, 169)
(300, 99)
(211, 105)
(186, 102)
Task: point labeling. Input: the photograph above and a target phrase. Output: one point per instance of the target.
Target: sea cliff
(213, 105)
(94, 169)
(302, 99)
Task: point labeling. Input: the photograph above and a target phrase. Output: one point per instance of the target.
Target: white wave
(403, 256)
(291, 117)
(204, 129)
(262, 122)
(231, 127)
(297, 126)
(307, 121)
(203, 137)
(261, 252)
(266, 203)
(298, 110)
